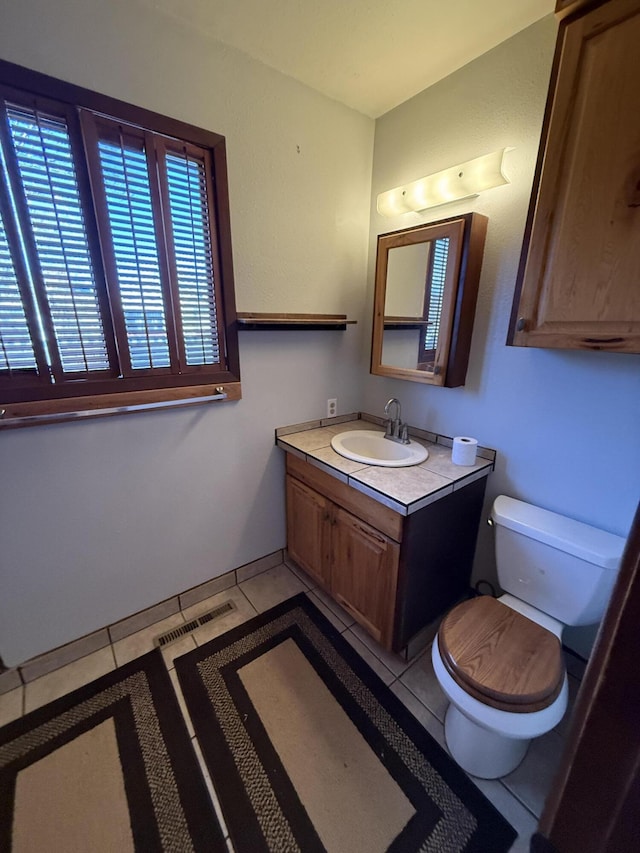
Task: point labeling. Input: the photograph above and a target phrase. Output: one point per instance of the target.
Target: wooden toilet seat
(500, 657)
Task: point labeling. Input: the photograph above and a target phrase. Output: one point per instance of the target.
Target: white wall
(566, 425)
(103, 518)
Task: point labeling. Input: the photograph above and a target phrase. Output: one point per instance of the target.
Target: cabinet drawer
(366, 508)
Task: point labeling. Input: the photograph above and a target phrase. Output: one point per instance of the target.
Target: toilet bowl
(499, 661)
(487, 741)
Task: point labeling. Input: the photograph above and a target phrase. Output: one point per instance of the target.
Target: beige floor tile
(178, 647)
(243, 611)
(57, 658)
(421, 680)
(210, 788)
(512, 809)
(173, 675)
(144, 618)
(346, 618)
(377, 666)
(306, 579)
(67, 678)
(507, 804)
(395, 663)
(10, 705)
(518, 797)
(330, 615)
(141, 642)
(272, 587)
(531, 781)
(256, 567)
(563, 726)
(423, 715)
(576, 666)
(207, 589)
(10, 680)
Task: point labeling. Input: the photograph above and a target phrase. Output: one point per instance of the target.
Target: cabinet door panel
(308, 530)
(364, 571)
(580, 283)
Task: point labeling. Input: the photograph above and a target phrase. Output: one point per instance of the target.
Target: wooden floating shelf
(264, 322)
(405, 322)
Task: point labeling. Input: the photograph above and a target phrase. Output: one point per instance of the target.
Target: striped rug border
(169, 804)
(261, 809)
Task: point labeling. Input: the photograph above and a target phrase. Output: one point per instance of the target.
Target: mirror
(425, 299)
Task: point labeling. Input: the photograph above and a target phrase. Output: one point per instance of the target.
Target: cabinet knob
(521, 325)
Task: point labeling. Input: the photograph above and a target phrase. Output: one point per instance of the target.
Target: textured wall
(103, 518)
(565, 424)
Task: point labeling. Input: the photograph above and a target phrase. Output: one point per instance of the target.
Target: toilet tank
(556, 564)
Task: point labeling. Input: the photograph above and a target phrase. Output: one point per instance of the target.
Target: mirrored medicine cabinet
(426, 288)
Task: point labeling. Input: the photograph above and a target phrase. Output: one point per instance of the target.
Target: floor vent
(188, 627)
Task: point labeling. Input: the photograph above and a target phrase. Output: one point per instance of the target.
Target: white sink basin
(372, 448)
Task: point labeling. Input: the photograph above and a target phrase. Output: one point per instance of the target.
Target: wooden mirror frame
(466, 246)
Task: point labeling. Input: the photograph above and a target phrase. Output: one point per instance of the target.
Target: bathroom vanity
(393, 546)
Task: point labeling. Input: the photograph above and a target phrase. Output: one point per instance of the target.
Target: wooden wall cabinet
(394, 574)
(579, 278)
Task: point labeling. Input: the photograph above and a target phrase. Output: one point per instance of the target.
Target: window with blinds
(434, 297)
(112, 273)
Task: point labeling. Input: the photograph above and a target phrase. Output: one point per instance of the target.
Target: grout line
(420, 702)
(246, 597)
(204, 771)
(417, 698)
(346, 630)
(516, 797)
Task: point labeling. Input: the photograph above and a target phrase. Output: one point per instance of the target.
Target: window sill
(84, 408)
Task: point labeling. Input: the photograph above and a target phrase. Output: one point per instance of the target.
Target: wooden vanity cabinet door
(579, 280)
(364, 572)
(309, 530)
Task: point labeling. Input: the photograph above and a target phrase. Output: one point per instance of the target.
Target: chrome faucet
(396, 430)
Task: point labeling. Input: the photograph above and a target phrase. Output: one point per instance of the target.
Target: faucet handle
(404, 434)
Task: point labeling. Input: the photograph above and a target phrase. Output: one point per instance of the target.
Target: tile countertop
(404, 490)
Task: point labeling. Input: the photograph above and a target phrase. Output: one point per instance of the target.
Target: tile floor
(519, 796)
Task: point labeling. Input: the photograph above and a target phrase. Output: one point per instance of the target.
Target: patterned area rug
(109, 767)
(309, 750)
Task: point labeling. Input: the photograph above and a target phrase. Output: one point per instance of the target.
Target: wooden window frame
(36, 396)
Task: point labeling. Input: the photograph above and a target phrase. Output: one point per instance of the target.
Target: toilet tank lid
(588, 543)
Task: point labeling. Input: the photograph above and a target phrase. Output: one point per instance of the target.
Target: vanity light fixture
(462, 181)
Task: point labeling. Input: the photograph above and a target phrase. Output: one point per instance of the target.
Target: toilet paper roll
(464, 450)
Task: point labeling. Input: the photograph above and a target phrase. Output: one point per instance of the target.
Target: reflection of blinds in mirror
(435, 292)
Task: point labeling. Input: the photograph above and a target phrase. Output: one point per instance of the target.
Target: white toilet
(499, 661)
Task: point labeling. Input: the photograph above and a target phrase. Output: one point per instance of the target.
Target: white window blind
(193, 257)
(115, 253)
(131, 220)
(438, 268)
(16, 348)
(45, 162)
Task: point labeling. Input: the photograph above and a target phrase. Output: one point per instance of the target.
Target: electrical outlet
(332, 407)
